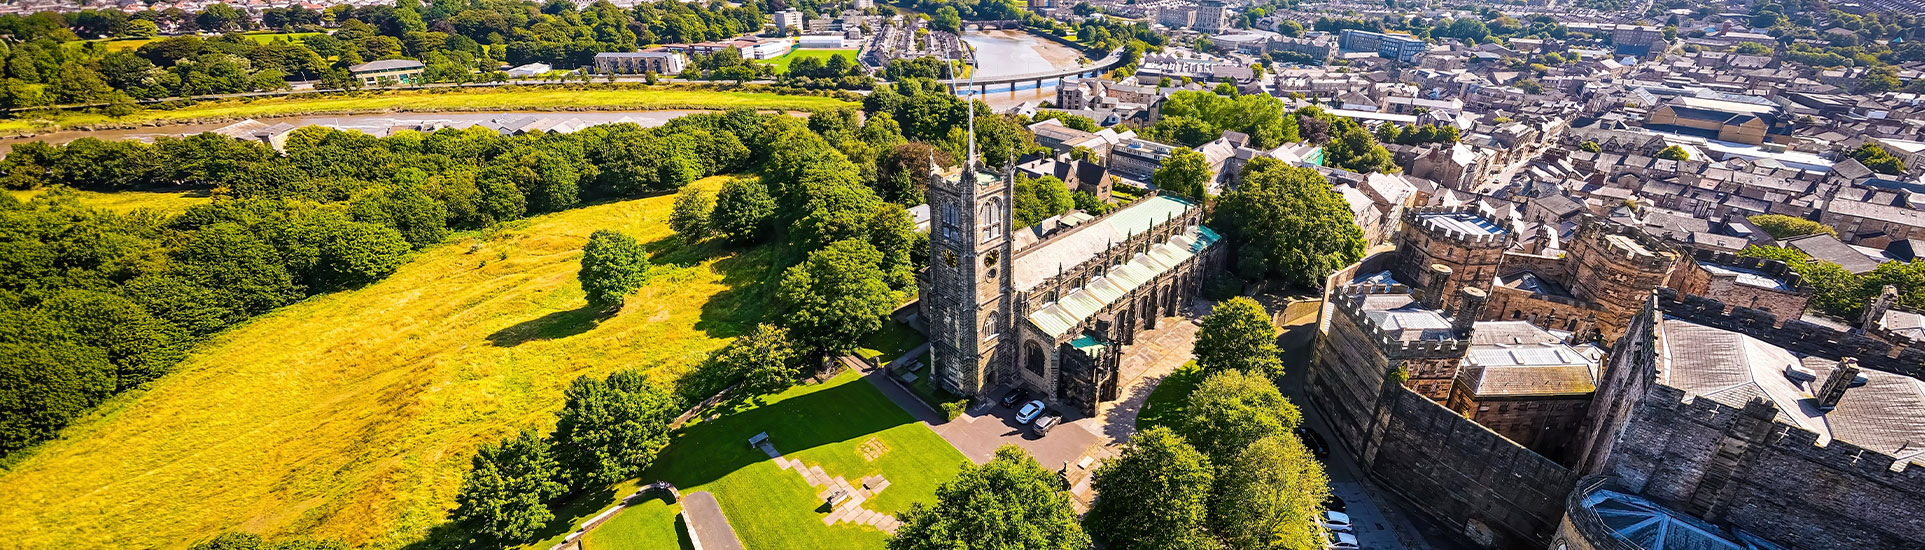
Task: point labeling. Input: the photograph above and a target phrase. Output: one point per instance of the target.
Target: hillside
(353, 415)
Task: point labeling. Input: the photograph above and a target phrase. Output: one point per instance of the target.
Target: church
(1053, 307)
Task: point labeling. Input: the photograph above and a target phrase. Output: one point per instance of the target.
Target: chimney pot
(1841, 379)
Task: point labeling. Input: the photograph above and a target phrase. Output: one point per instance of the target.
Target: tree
(358, 253)
(1232, 409)
(611, 430)
(1185, 173)
(1038, 199)
(1287, 222)
(613, 265)
(946, 19)
(1238, 335)
(1752, 48)
(1880, 79)
(249, 541)
(507, 488)
(764, 359)
(1268, 496)
(835, 297)
(693, 208)
(1155, 496)
(1355, 150)
(1878, 159)
(1529, 86)
(743, 211)
(1009, 502)
(1674, 152)
(1780, 226)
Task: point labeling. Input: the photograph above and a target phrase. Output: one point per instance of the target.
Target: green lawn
(1167, 402)
(782, 63)
(510, 98)
(772, 508)
(354, 415)
(894, 340)
(265, 37)
(652, 524)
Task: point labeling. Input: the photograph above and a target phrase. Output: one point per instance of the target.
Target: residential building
(388, 72)
(659, 62)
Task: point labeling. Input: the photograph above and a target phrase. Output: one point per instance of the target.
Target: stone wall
(1491, 490)
(1692, 278)
(1737, 466)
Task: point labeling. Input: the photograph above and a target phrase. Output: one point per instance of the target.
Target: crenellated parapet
(1416, 218)
(1796, 335)
(1774, 268)
(1643, 251)
(1349, 300)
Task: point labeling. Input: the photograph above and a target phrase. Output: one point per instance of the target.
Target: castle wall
(1550, 312)
(1345, 379)
(1549, 267)
(1693, 279)
(1486, 487)
(1776, 481)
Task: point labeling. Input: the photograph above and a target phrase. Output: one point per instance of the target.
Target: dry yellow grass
(353, 415)
(168, 202)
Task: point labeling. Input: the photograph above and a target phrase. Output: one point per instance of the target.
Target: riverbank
(597, 97)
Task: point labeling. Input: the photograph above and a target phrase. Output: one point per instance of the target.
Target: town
(941, 274)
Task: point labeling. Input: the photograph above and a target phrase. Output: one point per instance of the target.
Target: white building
(821, 41)
(531, 69)
(788, 19)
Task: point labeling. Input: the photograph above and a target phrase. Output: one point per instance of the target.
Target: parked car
(1340, 541)
(1014, 396)
(1030, 411)
(1049, 420)
(1333, 504)
(1315, 442)
(1336, 521)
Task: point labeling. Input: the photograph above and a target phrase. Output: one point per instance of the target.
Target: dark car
(1333, 504)
(1315, 442)
(1014, 396)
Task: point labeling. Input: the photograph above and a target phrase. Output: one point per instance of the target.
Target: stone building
(1526, 384)
(1781, 435)
(1051, 311)
(1738, 281)
(1465, 240)
(1592, 290)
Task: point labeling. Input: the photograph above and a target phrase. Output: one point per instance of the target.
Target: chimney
(1470, 304)
(1875, 311)
(1841, 379)
(1434, 288)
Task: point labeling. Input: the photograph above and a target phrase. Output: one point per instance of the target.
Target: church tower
(968, 297)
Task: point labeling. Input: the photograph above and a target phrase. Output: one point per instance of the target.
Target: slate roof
(1515, 358)
(1830, 249)
(1886, 414)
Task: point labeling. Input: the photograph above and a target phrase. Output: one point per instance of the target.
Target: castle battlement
(1349, 300)
(1413, 217)
(1776, 269)
(1796, 335)
(1804, 444)
(1657, 256)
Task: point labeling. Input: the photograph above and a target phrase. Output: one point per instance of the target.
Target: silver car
(1029, 412)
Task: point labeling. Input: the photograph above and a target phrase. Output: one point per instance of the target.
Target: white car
(1340, 541)
(1029, 412)
(1337, 521)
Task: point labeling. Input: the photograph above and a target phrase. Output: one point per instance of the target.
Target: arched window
(989, 325)
(991, 219)
(949, 221)
(1034, 358)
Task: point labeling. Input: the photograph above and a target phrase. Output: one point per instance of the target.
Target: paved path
(1157, 353)
(708, 528)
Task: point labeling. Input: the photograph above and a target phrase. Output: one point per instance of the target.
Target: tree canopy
(613, 266)
(1154, 496)
(1288, 223)
(1232, 409)
(610, 430)
(1185, 173)
(506, 492)
(1780, 226)
(835, 297)
(1009, 502)
(1239, 335)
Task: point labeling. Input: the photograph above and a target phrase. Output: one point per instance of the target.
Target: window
(991, 219)
(989, 325)
(949, 222)
(1034, 358)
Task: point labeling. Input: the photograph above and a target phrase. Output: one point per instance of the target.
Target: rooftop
(1747, 277)
(1515, 358)
(1652, 526)
(1886, 414)
(1037, 263)
(1460, 222)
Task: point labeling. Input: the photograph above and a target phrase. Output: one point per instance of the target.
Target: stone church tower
(967, 301)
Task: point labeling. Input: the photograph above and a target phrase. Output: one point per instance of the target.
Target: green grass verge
(827, 424)
(782, 63)
(1170, 399)
(166, 202)
(353, 415)
(651, 524)
(894, 340)
(510, 98)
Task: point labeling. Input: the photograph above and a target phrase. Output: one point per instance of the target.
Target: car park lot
(984, 428)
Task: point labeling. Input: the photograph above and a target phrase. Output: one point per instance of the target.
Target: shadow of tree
(556, 325)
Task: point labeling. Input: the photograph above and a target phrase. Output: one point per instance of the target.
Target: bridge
(992, 25)
(981, 85)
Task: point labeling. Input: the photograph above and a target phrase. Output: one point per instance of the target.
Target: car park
(1336, 521)
(1029, 412)
(1014, 396)
(1048, 420)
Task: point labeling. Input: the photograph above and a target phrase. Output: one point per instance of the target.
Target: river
(373, 124)
(1006, 52)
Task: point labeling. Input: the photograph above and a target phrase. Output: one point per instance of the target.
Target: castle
(1051, 307)
(1562, 398)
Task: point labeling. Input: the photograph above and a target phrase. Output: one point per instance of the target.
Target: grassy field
(168, 202)
(894, 340)
(353, 415)
(477, 99)
(827, 424)
(653, 523)
(782, 63)
(1166, 404)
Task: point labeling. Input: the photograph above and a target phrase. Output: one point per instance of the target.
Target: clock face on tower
(989, 260)
(950, 258)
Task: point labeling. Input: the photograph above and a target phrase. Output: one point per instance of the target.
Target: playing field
(353, 415)
(470, 99)
(782, 63)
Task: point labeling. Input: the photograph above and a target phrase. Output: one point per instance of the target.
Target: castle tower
(1615, 268)
(1461, 238)
(968, 292)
